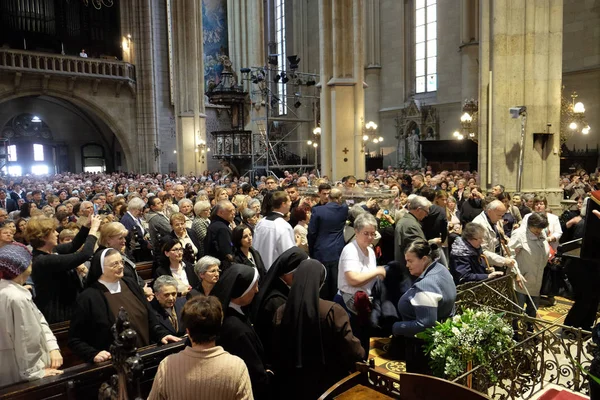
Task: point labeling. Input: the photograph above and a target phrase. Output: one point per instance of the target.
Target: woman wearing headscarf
(98, 305)
(236, 289)
(273, 293)
(313, 340)
(28, 348)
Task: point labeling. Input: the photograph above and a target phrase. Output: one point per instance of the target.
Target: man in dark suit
(326, 238)
(17, 193)
(435, 224)
(167, 306)
(6, 202)
(137, 238)
(217, 242)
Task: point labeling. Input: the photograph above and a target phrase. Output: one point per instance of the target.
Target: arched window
(93, 159)
(425, 46)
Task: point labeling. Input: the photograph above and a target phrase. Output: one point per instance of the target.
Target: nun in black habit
(313, 342)
(273, 293)
(236, 288)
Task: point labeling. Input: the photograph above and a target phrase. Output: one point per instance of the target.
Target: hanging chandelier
(97, 4)
(572, 117)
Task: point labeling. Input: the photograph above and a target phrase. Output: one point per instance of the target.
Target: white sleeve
(28, 352)
(349, 259)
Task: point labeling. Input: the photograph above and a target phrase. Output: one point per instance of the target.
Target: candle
(24, 44)
(62, 48)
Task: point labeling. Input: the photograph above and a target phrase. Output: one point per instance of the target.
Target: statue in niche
(430, 134)
(413, 142)
(402, 149)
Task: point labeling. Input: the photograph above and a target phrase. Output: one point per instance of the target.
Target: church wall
(581, 64)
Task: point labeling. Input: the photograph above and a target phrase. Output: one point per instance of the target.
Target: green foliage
(478, 336)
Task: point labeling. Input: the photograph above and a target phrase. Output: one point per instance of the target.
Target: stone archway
(122, 125)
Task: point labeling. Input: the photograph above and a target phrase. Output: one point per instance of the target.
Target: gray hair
(248, 213)
(136, 203)
(252, 202)
(183, 201)
(355, 211)
(364, 220)
(494, 205)
(473, 231)
(200, 206)
(335, 194)
(162, 281)
(418, 202)
(527, 197)
(537, 220)
(202, 264)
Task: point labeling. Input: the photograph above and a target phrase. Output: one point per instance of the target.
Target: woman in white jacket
(28, 348)
(531, 249)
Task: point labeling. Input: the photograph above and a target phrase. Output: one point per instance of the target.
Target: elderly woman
(208, 271)
(54, 275)
(173, 264)
(244, 253)
(186, 207)
(186, 236)
(467, 263)
(429, 300)
(98, 305)
(236, 290)
(532, 249)
(357, 273)
(28, 349)
(201, 222)
(114, 235)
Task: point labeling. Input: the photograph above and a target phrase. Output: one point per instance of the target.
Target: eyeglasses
(369, 234)
(426, 210)
(116, 264)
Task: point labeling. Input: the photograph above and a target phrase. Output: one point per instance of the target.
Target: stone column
(521, 65)
(469, 49)
(245, 21)
(372, 65)
(188, 77)
(342, 96)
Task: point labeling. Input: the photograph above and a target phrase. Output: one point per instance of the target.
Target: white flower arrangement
(473, 336)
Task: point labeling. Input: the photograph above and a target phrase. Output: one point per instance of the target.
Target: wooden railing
(70, 66)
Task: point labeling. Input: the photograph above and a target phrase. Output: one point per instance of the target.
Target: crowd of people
(272, 281)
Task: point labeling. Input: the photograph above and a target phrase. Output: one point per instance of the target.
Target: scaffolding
(277, 97)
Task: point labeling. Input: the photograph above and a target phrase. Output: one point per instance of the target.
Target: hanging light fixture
(97, 4)
(572, 117)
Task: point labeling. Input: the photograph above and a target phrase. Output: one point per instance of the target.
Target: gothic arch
(89, 107)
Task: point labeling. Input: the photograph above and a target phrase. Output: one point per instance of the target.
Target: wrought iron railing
(57, 64)
(550, 353)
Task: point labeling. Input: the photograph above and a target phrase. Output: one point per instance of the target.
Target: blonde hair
(38, 228)
(111, 229)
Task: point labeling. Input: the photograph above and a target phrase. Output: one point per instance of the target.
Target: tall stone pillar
(342, 96)
(469, 49)
(521, 65)
(190, 117)
(372, 63)
(245, 21)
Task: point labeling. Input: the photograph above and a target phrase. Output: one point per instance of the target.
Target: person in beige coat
(491, 219)
(205, 370)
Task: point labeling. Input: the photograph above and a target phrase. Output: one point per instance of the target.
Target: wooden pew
(369, 384)
(84, 381)
(144, 269)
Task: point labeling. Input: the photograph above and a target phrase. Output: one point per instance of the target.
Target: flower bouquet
(472, 338)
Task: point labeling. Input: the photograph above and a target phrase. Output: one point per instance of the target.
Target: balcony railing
(69, 66)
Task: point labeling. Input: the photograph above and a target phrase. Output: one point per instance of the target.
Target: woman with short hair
(201, 222)
(186, 207)
(56, 282)
(28, 348)
(430, 300)
(532, 250)
(207, 269)
(467, 263)
(186, 236)
(357, 273)
(98, 306)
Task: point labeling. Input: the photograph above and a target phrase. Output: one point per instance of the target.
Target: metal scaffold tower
(283, 100)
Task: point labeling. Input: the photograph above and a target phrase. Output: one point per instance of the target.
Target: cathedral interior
(177, 86)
